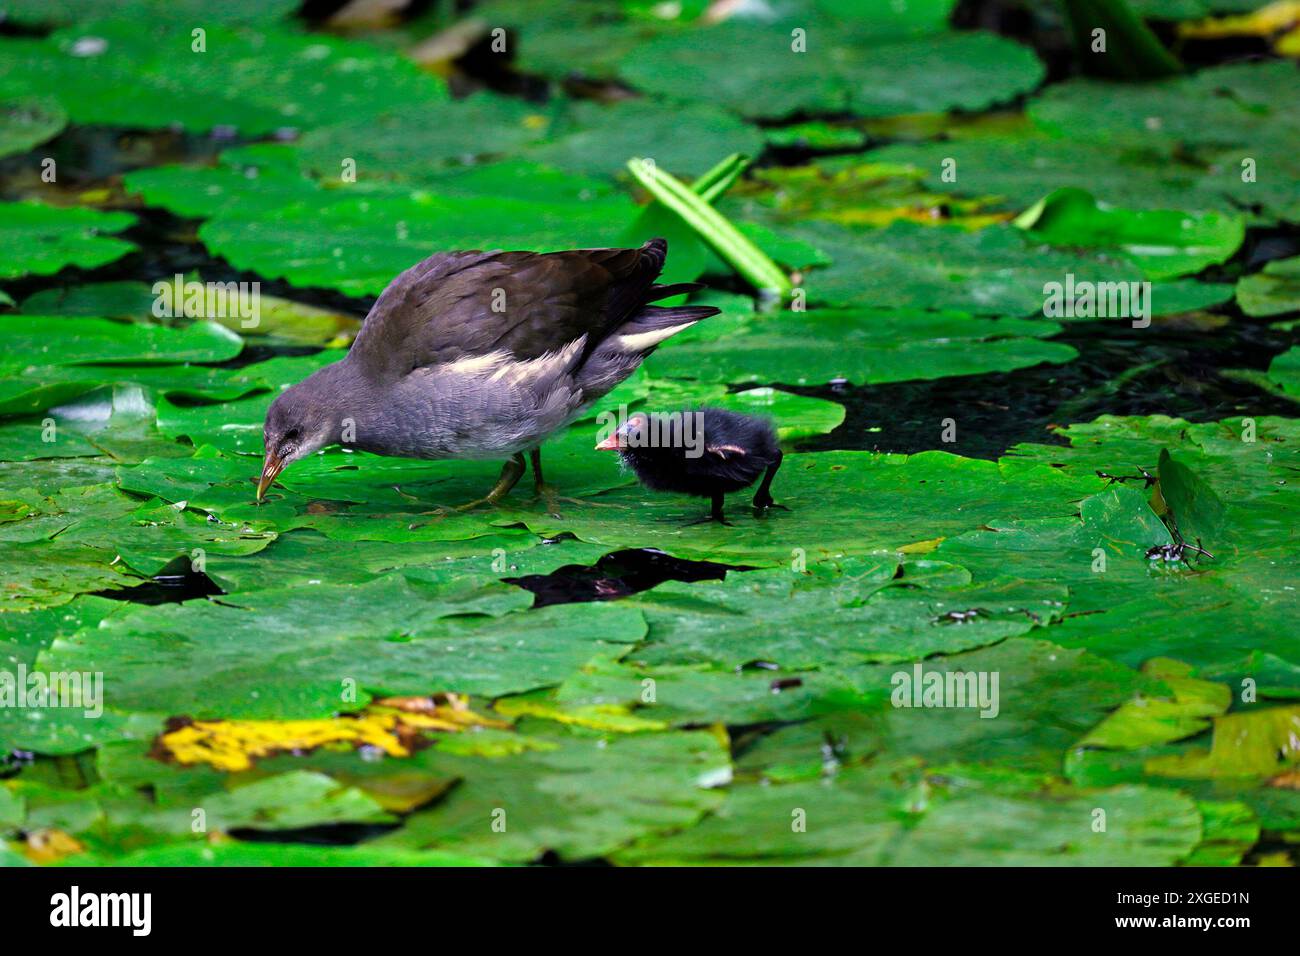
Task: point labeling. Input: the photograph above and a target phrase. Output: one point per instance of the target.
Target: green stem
(1132, 51)
(719, 179)
(723, 237)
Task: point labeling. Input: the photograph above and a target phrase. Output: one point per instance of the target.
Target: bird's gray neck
(345, 399)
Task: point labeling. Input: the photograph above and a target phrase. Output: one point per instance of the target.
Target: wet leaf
(757, 70)
(1275, 290)
(26, 122)
(255, 82)
(585, 799)
(1164, 243)
(41, 239)
(1247, 744)
(861, 346)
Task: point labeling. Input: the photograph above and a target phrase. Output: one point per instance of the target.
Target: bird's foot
(446, 511)
(763, 504)
(707, 519)
(553, 498)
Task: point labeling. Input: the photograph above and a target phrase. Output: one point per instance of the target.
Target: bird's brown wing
(459, 305)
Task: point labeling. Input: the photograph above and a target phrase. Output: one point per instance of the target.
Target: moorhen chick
(482, 355)
(707, 452)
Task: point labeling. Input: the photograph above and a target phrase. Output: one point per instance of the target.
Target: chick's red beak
(613, 443)
(271, 468)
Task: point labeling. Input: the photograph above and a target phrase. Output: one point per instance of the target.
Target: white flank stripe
(478, 365)
(550, 363)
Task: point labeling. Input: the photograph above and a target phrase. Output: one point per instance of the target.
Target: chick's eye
(291, 435)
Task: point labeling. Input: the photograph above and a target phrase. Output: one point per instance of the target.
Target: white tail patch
(640, 341)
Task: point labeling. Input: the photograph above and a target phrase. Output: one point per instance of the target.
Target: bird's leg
(545, 492)
(540, 487)
(715, 513)
(539, 483)
(511, 472)
(763, 497)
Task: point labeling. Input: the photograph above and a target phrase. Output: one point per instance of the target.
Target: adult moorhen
(482, 355)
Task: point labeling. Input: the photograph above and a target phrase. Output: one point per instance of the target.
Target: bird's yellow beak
(272, 465)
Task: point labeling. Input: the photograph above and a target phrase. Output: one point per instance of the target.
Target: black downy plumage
(707, 452)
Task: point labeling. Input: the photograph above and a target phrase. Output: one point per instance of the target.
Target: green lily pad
(269, 319)
(241, 853)
(1131, 608)
(44, 12)
(759, 70)
(902, 817)
(26, 122)
(295, 652)
(1215, 140)
(256, 82)
(679, 695)
(684, 140)
(41, 239)
(1230, 830)
(406, 141)
(1188, 295)
(1019, 168)
(356, 238)
(1275, 290)
(1250, 744)
(46, 386)
(755, 615)
(97, 538)
(1222, 107)
(1270, 675)
(995, 271)
(123, 300)
(585, 799)
(308, 558)
(23, 634)
(815, 135)
(1148, 720)
(907, 499)
(795, 416)
(64, 340)
(1164, 243)
(861, 345)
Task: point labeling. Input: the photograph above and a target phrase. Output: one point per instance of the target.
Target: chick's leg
(763, 497)
(715, 513)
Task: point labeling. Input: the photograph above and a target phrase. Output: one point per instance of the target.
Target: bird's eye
(291, 435)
